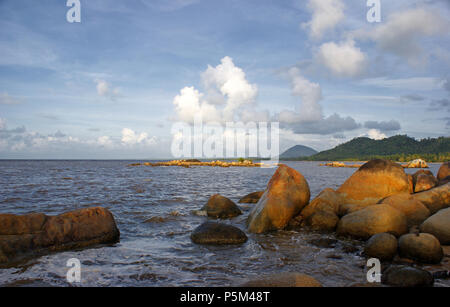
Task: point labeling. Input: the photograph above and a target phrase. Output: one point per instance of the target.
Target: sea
(154, 208)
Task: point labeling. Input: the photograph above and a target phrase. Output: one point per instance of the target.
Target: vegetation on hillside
(397, 148)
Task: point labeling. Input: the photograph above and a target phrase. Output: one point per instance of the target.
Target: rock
(345, 209)
(373, 181)
(286, 195)
(327, 200)
(324, 242)
(444, 181)
(406, 276)
(372, 220)
(411, 183)
(251, 198)
(435, 199)
(439, 226)
(322, 221)
(22, 236)
(413, 209)
(418, 163)
(444, 171)
(424, 181)
(421, 247)
(218, 234)
(284, 280)
(221, 207)
(382, 246)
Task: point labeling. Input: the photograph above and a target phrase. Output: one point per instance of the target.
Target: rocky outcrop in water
(218, 234)
(221, 207)
(443, 175)
(423, 181)
(439, 226)
(418, 163)
(286, 195)
(23, 236)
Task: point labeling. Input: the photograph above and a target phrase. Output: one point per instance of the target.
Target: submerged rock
(251, 198)
(414, 210)
(373, 181)
(221, 207)
(382, 246)
(218, 234)
(372, 220)
(22, 236)
(286, 195)
(439, 226)
(406, 276)
(284, 280)
(421, 247)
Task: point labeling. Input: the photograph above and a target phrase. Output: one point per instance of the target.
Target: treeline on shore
(400, 148)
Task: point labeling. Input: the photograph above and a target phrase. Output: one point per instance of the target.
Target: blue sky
(107, 87)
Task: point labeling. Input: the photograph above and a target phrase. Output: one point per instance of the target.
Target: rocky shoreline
(403, 220)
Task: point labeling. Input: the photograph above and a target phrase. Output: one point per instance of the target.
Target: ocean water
(153, 210)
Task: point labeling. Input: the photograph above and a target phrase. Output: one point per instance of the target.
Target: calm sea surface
(153, 209)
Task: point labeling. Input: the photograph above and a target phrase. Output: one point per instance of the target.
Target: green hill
(298, 151)
(399, 148)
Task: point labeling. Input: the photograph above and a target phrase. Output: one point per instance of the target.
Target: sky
(113, 85)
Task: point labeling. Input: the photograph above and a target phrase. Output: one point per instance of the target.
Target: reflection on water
(153, 209)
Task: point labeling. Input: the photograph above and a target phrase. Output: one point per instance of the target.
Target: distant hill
(399, 148)
(298, 151)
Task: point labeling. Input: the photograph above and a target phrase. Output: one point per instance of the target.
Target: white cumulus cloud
(376, 134)
(130, 137)
(343, 59)
(104, 89)
(326, 14)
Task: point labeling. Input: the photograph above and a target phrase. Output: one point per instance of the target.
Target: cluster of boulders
(24, 236)
(194, 162)
(400, 215)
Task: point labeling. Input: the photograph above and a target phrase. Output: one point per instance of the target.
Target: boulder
(251, 198)
(382, 246)
(327, 200)
(286, 195)
(406, 276)
(421, 247)
(221, 207)
(439, 226)
(411, 183)
(218, 234)
(345, 209)
(435, 199)
(322, 221)
(444, 171)
(284, 280)
(373, 181)
(423, 181)
(372, 220)
(413, 209)
(22, 236)
(417, 163)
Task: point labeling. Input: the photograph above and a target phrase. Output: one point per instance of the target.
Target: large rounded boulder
(286, 195)
(218, 234)
(421, 247)
(22, 236)
(414, 210)
(372, 220)
(382, 246)
(221, 207)
(439, 226)
(373, 181)
(406, 276)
